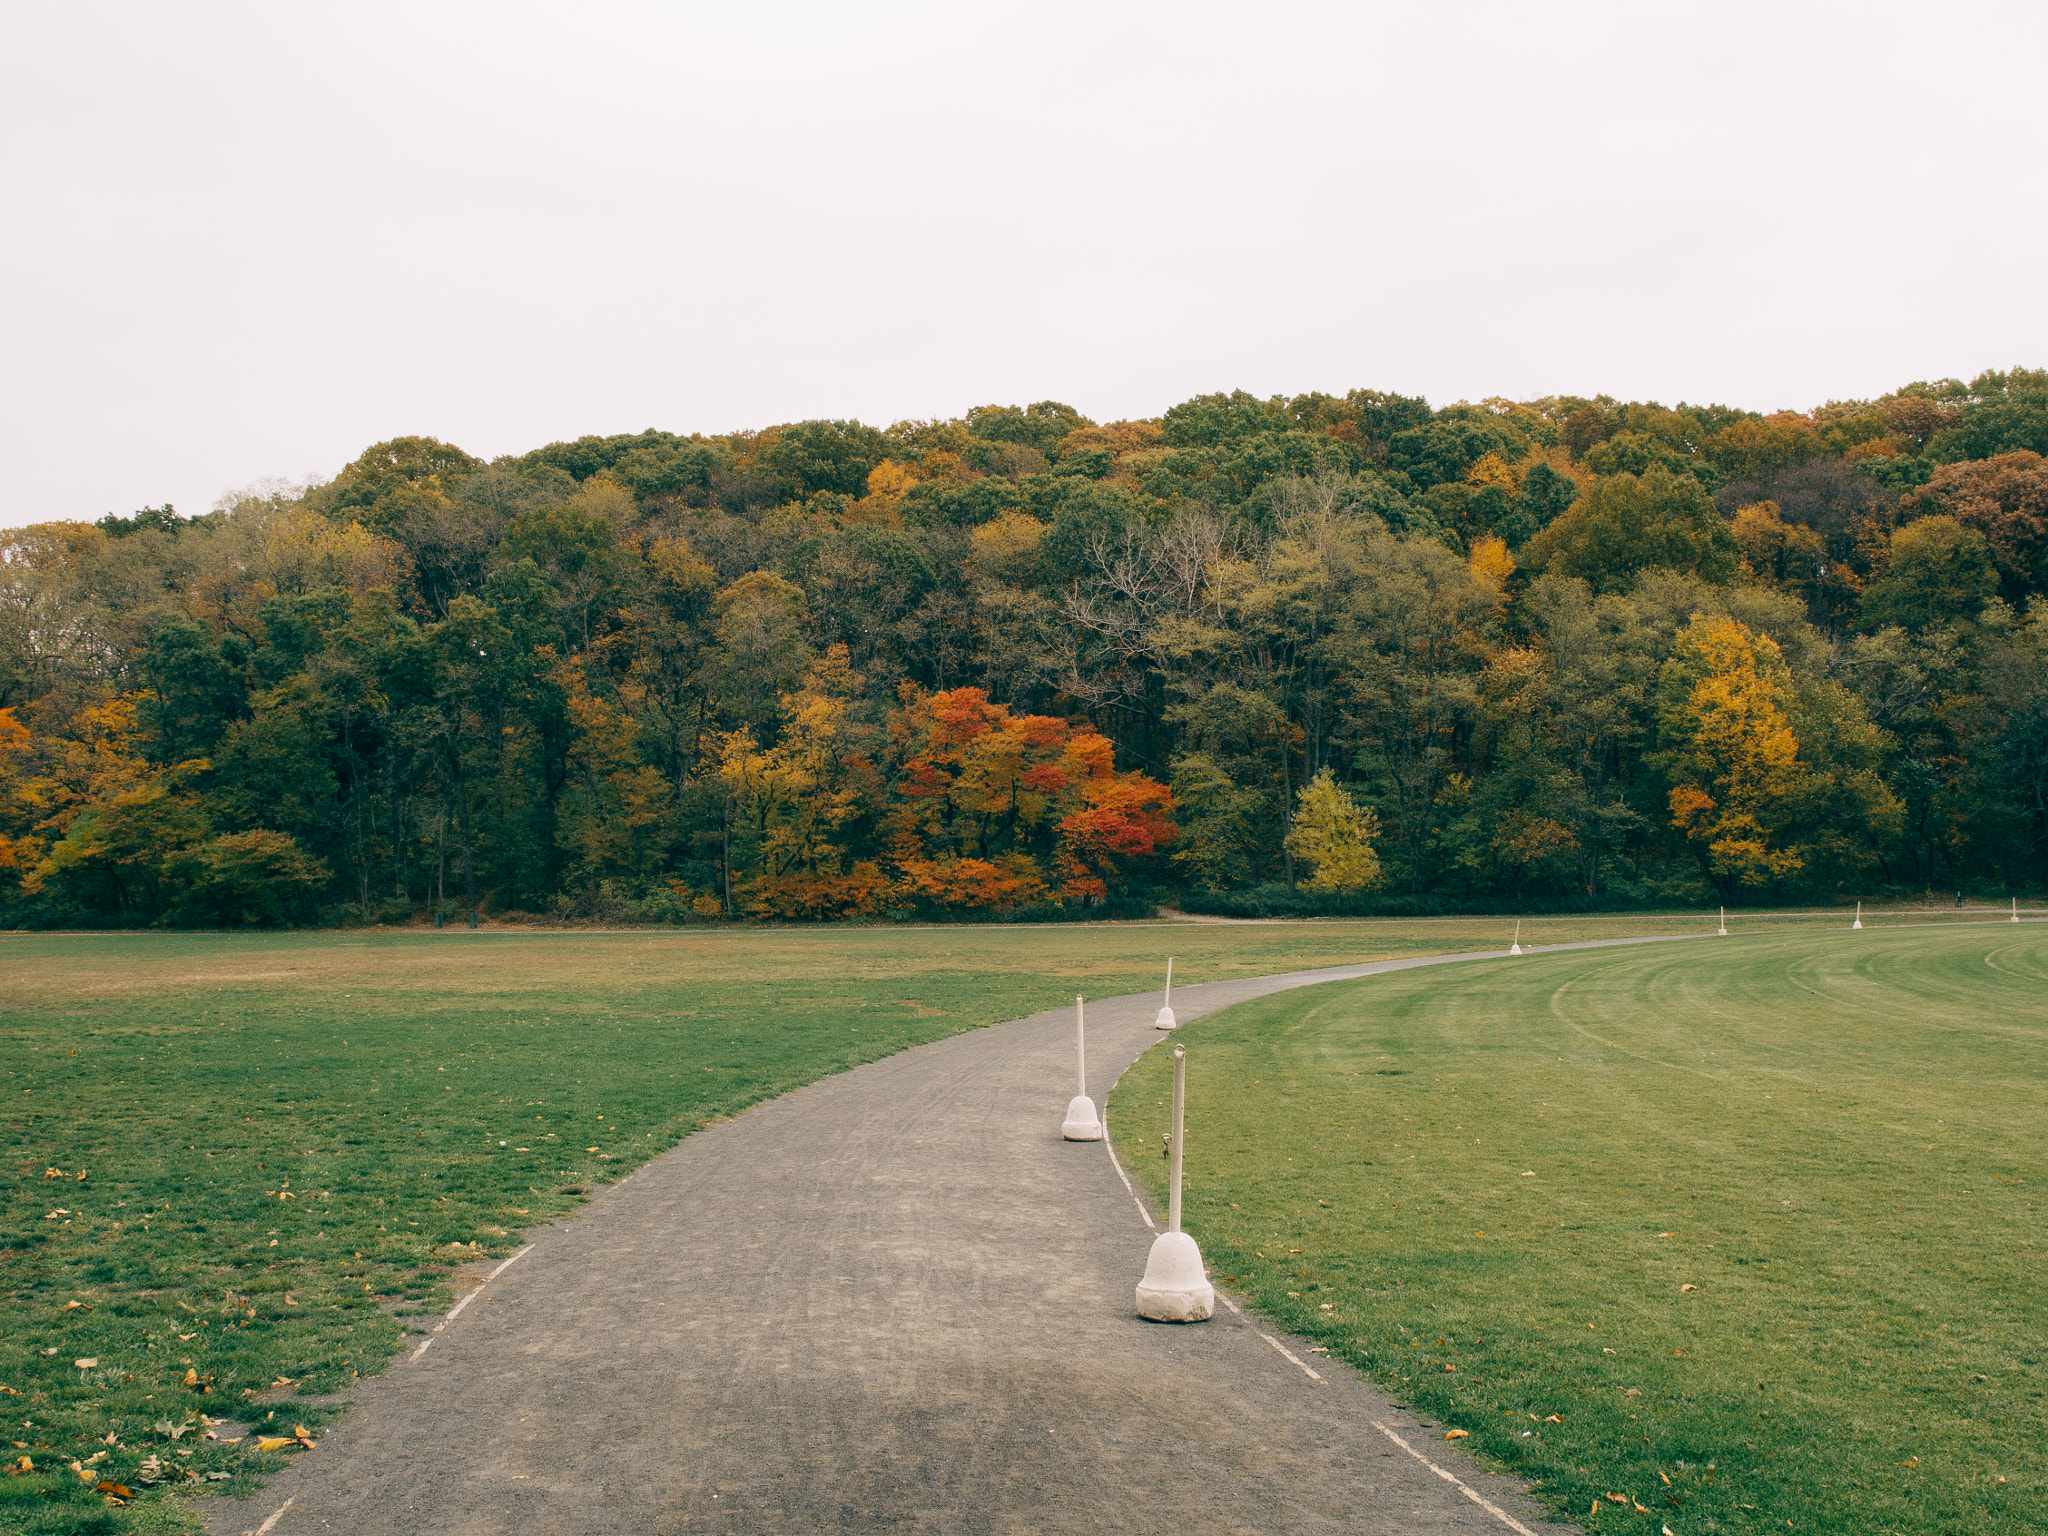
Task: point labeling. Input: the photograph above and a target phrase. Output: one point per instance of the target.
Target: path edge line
(1457, 1482)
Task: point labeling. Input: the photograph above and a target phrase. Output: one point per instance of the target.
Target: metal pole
(1081, 1045)
(1180, 1105)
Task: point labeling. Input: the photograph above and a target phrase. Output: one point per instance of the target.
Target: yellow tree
(1724, 703)
(1334, 834)
(798, 797)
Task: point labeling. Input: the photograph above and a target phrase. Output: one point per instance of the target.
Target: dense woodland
(1257, 655)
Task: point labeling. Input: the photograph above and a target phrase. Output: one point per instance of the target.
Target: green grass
(196, 1080)
(1758, 1218)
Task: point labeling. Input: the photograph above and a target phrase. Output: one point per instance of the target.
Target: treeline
(1561, 651)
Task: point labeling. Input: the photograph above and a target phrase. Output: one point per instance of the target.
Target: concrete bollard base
(1174, 1289)
(1166, 1020)
(1082, 1125)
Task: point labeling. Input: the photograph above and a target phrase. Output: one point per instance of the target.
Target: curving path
(894, 1300)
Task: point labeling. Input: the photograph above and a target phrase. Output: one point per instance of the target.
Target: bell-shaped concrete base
(1857, 924)
(1081, 1122)
(1166, 1020)
(1174, 1289)
(1514, 949)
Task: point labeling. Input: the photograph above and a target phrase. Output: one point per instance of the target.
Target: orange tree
(994, 809)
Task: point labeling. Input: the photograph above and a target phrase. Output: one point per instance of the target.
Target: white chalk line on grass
(1456, 1482)
(472, 1296)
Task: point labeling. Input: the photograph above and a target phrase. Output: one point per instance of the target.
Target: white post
(1859, 916)
(1081, 1124)
(1166, 1019)
(1174, 1289)
(2015, 909)
(1516, 947)
(1724, 922)
(1180, 1115)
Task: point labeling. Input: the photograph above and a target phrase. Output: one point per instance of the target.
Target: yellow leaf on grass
(1555, 1418)
(1459, 1434)
(1617, 1498)
(1684, 1288)
(273, 1442)
(1667, 1481)
(87, 1363)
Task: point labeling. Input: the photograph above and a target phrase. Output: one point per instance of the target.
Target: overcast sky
(246, 241)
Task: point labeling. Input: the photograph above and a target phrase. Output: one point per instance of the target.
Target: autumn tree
(1334, 836)
(1728, 747)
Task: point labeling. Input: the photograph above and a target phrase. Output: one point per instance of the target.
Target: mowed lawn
(1734, 1234)
(230, 1161)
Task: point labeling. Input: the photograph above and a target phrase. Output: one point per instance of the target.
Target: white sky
(249, 240)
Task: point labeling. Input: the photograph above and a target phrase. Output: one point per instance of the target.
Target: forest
(1256, 656)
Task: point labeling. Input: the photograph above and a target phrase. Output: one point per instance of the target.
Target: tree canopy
(1563, 650)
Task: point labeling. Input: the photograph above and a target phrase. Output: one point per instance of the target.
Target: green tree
(814, 456)
(1940, 575)
(1627, 523)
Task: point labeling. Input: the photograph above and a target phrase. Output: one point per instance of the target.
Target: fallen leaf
(1667, 1481)
(87, 1363)
(1684, 1288)
(1633, 1391)
(1640, 1510)
(273, 1442)
(74, 1306)
(590, 1149)
(1617, 1498)
(117, 1490)
(1667, 1234)
(1555, 1418)
(20, 1467)
(1912, 1461)
(300, 1432)
(1459, 1434)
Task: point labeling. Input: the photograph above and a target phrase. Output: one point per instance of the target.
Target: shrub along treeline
(1558, 652)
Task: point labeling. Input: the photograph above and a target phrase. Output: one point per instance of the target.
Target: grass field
(240, 1157)
(1745, 1231)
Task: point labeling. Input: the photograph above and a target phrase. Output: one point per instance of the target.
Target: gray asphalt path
(895, 1300)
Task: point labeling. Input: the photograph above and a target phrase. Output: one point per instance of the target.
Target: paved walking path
(895, 1300)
